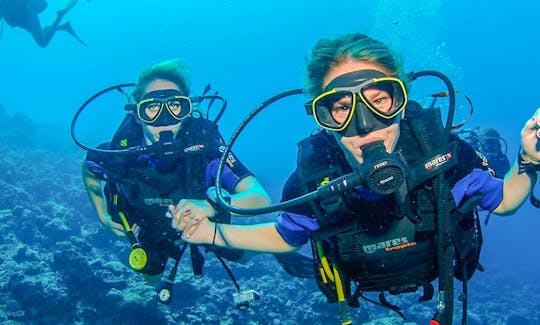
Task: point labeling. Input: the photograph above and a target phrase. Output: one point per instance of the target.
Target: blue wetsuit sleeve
(94, 161)
(233, 170)
(230, 176)
(480, 181)
(295, 228)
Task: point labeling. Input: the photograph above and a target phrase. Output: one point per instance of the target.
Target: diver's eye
(379, 99)
(341, 109)
(153, 107)
(381, 102)
(175, 104)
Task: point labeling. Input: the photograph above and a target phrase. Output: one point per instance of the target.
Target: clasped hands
(188, 215)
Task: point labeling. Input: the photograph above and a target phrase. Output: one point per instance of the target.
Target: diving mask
(359, 102)
(490, 143)
(150, 108)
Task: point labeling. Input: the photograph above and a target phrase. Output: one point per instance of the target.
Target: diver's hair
(328, 52)
(170, 70)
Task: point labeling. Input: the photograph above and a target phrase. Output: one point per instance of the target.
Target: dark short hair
(328, 52)
(171, 70)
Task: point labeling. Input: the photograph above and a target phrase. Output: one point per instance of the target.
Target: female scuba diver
(178, 163)
(419, 188)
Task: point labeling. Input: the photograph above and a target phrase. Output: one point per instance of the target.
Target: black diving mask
(359, 102)
(150, 109)
(491, 147)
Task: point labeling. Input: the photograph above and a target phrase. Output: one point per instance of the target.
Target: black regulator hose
(451, 97)
(336, 186)
(445, 253)
(83, 106)
(128, 107)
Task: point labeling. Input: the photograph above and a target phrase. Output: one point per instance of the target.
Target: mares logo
(438, 161)
(159, 201)
(230, 158)
(389, 245)
(193, 148)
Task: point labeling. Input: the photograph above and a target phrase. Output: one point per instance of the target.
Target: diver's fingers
(178, 222)
(537, 115)
(171, 211)
(181, 219)
(181, 205)
(116, 225)
(135, 229)
(531, 123)
(190, 223)
(168, 213)
(536, 119)
(191, 227)
(532, 126)
(117, 228)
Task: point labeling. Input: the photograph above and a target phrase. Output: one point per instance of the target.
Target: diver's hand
(196, 210)
(136, 230)
(529, 139)
(194, 230)
(114, 227)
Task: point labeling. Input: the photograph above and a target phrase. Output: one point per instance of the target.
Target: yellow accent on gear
(325, 181)
(138, 259)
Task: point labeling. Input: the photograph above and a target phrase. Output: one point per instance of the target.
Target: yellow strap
(344, 313)
(323, 276)
(124, 221)
(324, 262)
(339, 285)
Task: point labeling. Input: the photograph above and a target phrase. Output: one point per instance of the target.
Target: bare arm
(93, 188)
(249, 193)
(516, 189)
(261, 237)
(518, 186)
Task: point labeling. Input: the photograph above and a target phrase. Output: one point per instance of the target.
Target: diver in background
(489, 143)
(490, 146)
(24, 14)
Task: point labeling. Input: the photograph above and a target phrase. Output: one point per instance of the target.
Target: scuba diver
(489, 143)
(167, 151)
(490, 146)
(388, 194)
(24, 14)
(179, 164)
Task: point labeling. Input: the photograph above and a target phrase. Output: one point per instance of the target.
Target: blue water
(250, 50)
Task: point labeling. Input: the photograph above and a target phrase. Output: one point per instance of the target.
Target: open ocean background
(60, 267)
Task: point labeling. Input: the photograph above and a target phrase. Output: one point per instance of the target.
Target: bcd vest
(146, 190)
(387, 244)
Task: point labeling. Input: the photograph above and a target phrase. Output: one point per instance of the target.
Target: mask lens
(333, 110)
(149, 109)
(491, 146)
(385, 97)
(179, 107)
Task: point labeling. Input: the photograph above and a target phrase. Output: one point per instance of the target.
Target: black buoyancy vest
(146, 191)
(382, 245)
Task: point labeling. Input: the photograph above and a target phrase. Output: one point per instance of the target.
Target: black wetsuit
(146, 186)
